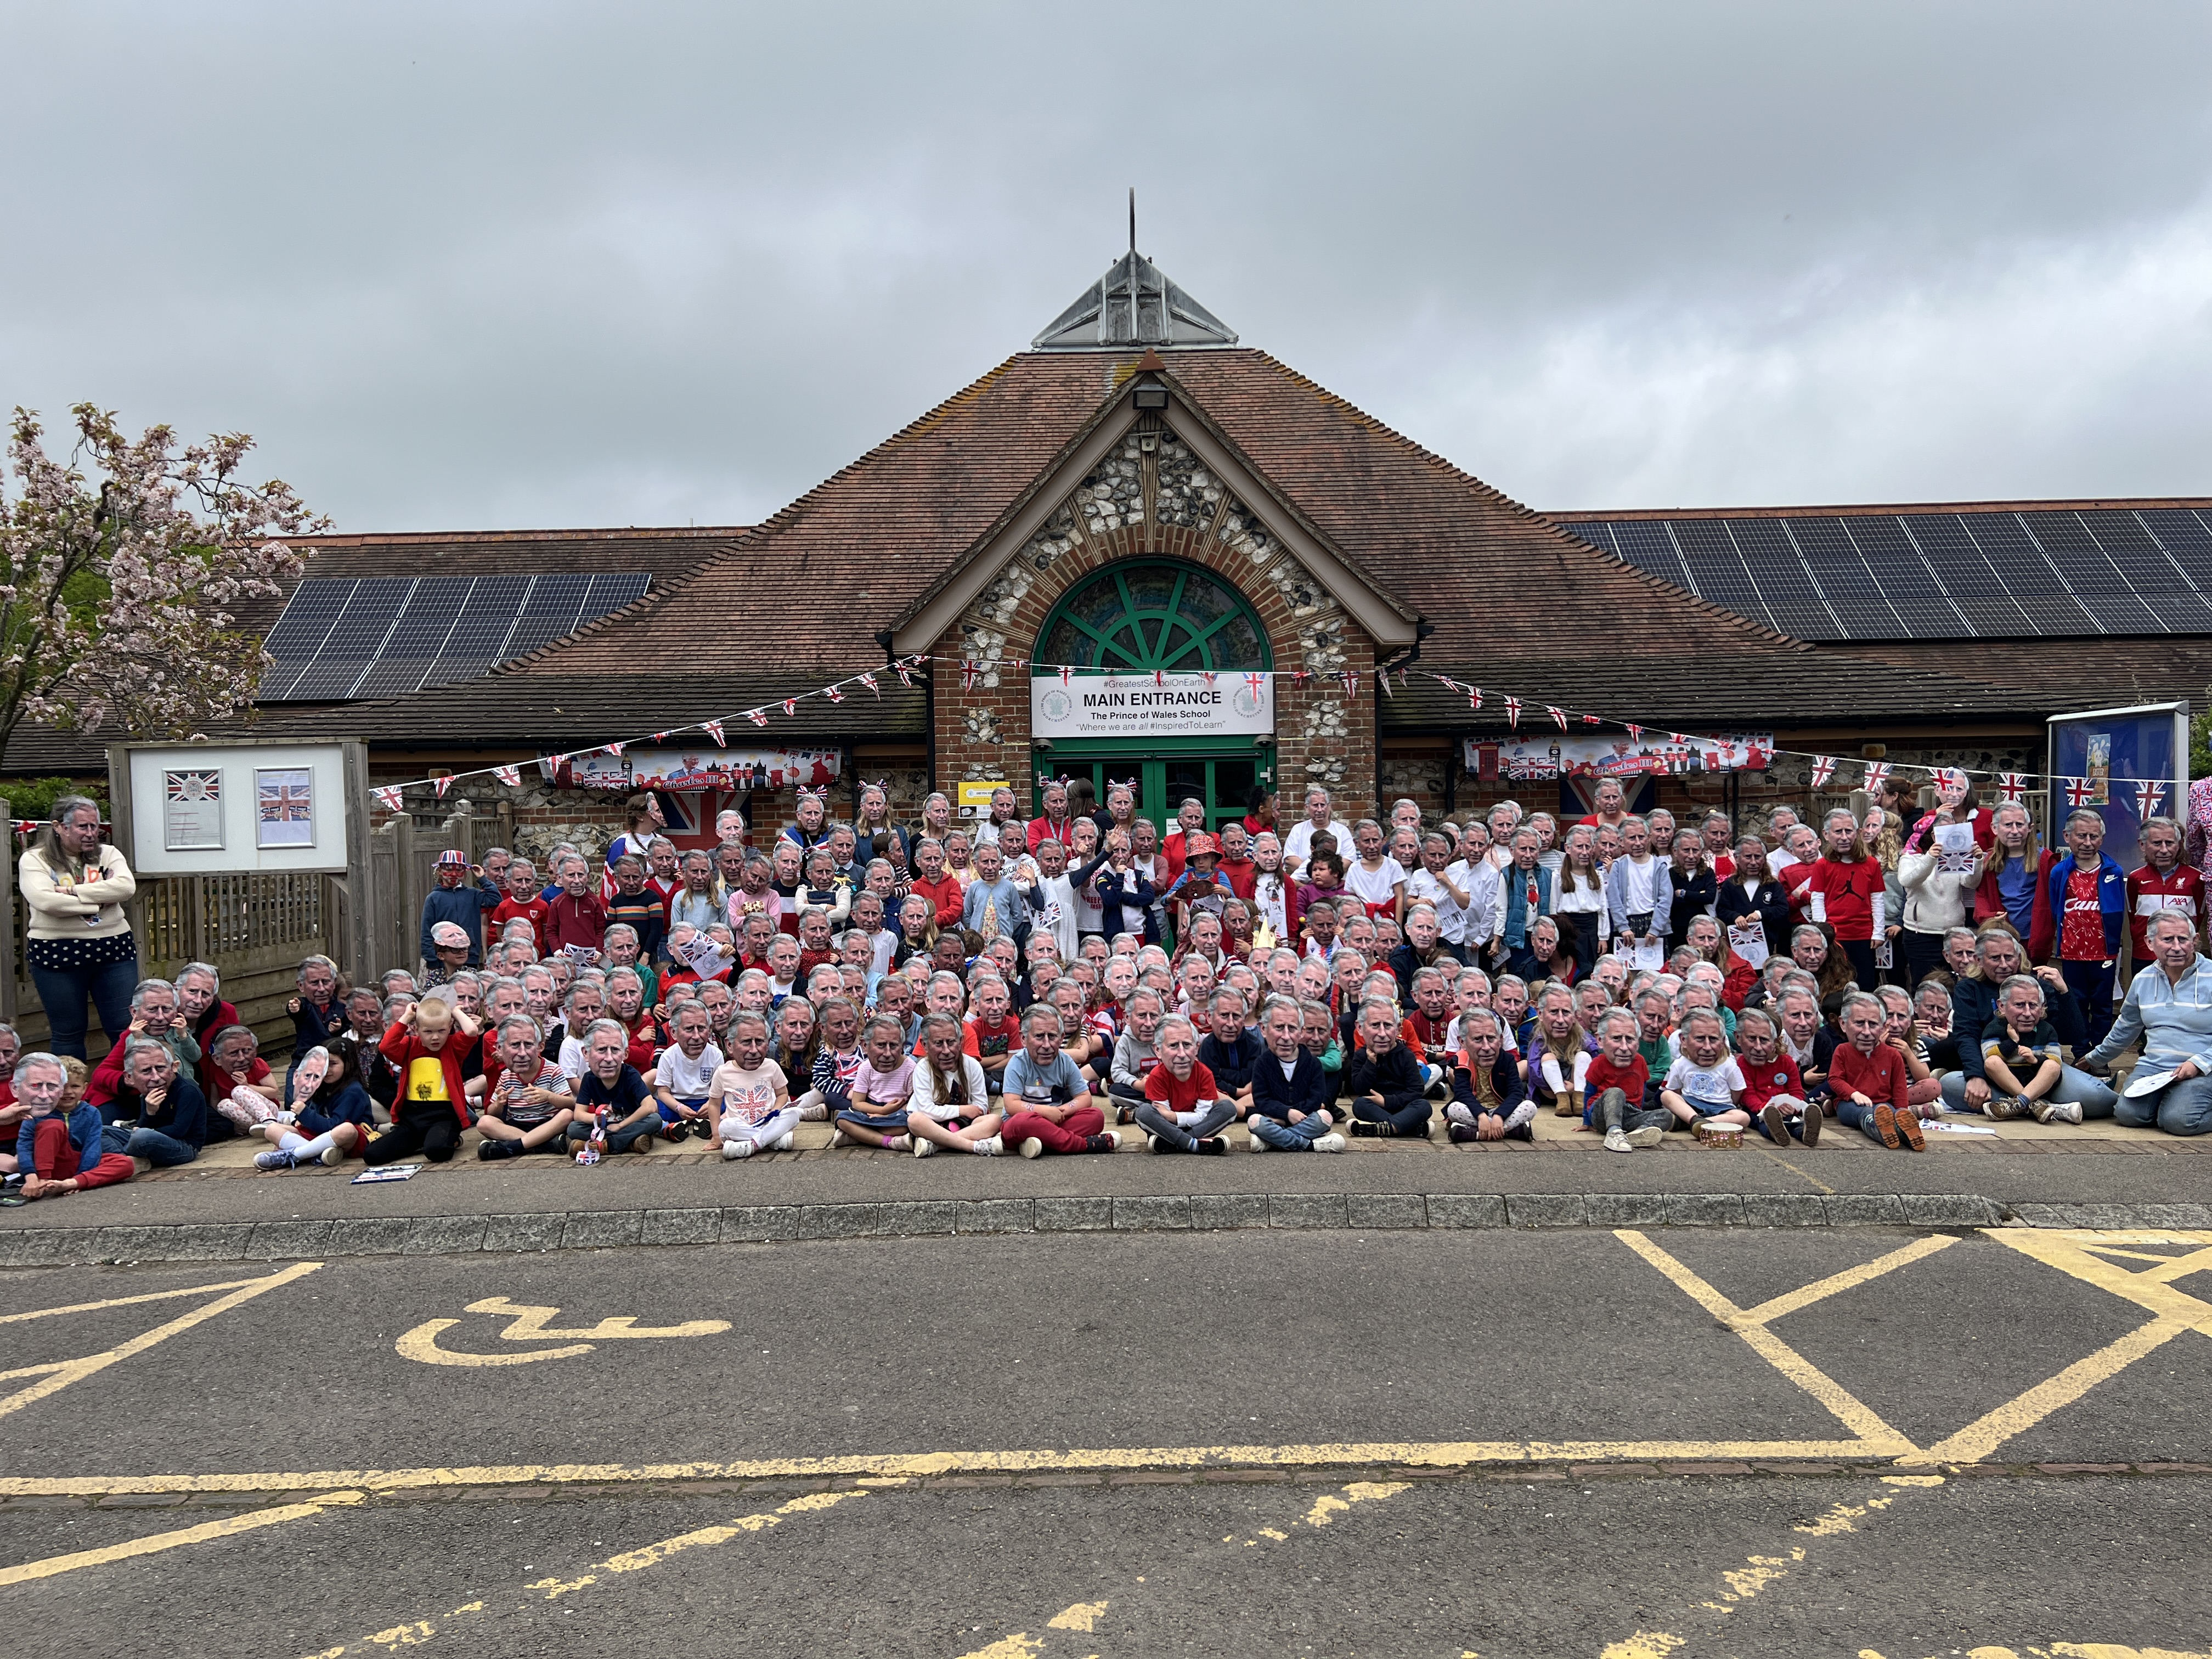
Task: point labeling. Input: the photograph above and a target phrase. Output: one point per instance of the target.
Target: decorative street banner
(1230, 703)
(1537, 758)
(696, 768)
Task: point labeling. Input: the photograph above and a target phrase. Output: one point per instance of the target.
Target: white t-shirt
(1375, 886)
(1297, 845)
(749, 1097)
(684, 1077)
(1709, 1089)
(1429, 887)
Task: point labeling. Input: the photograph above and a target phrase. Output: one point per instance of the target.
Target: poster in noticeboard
(192, 810)
(2125, 765)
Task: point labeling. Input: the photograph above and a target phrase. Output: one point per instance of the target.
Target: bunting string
(2009, 787)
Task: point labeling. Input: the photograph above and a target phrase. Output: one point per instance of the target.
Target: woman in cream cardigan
(79, 944)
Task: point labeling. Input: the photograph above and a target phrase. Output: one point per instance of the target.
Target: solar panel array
(1937, 575)
(342, 638)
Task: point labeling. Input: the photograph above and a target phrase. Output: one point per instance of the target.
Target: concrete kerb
(766, 1223)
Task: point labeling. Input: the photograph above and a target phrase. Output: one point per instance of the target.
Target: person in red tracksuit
(1846, 892)
(433, 1108)
(2164, 883)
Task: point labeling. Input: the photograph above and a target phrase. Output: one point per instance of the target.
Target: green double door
(1223, 780)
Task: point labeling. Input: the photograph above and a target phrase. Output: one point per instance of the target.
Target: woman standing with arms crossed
(79, 947)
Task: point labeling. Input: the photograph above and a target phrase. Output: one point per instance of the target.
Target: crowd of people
(1050, 985)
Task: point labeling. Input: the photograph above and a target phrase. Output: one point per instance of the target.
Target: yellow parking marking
(1850, 1279)
(75, 1371)
(126, 1300)
(2015, 1416)
(1874, 1434)
(529, 1323)
(1083, 1616)
(154, 1544)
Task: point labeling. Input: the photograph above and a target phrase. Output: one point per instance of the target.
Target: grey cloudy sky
(464, 266)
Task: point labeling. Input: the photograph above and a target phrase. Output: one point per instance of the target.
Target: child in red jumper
(1773, 1088)
(1614, 1084)
(433, 1108)
(1183, 1110)
(1868, 1081)
(523, 902)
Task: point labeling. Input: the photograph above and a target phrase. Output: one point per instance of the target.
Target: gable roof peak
(1134, 303)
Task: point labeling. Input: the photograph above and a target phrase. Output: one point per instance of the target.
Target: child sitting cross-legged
(1183, 1110)
(1049, 1106)
(1867, 1078)
(1705, 1083)
(877, 1116)
(59, 1148)
(307, 1134)
(528, 1102)
(1773, 1089)
(950, 1105)
(2019, 1057)
(1619, 1082)
(1388, 1091)
(749, 1101)
(1291, 1093)
(684, 1075)
(615, 1112)
(1489, 1102)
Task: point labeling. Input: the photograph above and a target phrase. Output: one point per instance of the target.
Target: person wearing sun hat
(454, 900)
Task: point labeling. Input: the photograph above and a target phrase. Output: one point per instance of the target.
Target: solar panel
(1645, 543)
(2159, 580)
(1793, 596)
(379, 636)
(1599, 535)
(2035, 584)
(1976, 592)
(2187, 539)
(2104, 592)
(1710, 553)
(1851, 588)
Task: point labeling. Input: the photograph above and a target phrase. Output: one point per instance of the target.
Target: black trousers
(434, 1136)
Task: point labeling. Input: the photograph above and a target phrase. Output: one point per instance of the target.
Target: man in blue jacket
(455, 901)
(1290, 1093)
(2089, 894)
(157, 1115)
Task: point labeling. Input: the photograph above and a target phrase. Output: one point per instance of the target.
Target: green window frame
(1145, 615)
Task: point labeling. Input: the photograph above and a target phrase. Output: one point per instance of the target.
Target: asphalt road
(1499, 1443)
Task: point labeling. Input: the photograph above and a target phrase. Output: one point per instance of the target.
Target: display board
(202, 808)
(2123, 764)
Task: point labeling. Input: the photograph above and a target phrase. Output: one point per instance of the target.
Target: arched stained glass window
(1144, 615)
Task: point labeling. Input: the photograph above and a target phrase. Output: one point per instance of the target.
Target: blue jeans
(2179, 1109)
(2073, 1087)
(161, 1150)
(63, 992)
(1283, 1137)
(1852, 1116)
(2091, 982)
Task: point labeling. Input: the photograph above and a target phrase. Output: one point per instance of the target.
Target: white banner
(1230, 703)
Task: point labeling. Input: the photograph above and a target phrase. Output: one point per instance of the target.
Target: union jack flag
(1636, 731)
(1824, 767)
(791, 708)
(1513, 713)
(1209, 677)
(758, 716)
(1877, 773)
(1474, 697)
(509, 776)
(388, 798)
(1160, 677)
(441, 783)
(905, 678)
(1558, 717)
(660, 737)
(288, 803)
(2150, 795)
(1350, 679)
(835, 696)
(1948, 777)
(2079, 792)
(869, 680)
(195, 786)
(2012, 786)
(1255, 683)
(971, 671)
(714, 729)
(1590, 720)
(615, 749)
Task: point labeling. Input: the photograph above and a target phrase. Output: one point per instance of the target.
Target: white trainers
(273, 1159)
(2066, 1111)
(1459, 1112)
(736, 1149)
(923, 1148)
(784, 1143)
(333, 1154)
(1616, 1140)
(1032, 1148)
(817, 1112)
(1329, 1143)
(1258, 1145)
(899, 1144)
(1649, 1136)
(1112, 1139)
(990, 1147)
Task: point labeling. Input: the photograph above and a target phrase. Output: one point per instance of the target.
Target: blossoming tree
(118, 571)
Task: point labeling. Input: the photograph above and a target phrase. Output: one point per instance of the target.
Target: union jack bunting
(714, 729)
(869, 680)
(1948, 777)
(1635, 733)
(1824, 767)
(2012, 786)
(971, 672)
(1255, 683)
(1159, 676)
(441, 783)
(509, 776)
(905, 678)
(1590, 720)
(1068, 674)
(2079, 792)
(1351, 680)
(1474, 697)
(389, 798)
(1513, 713)
(615, 749)
(2150, 795)
(1558, 717)
(758, 716)
(1877, 773)
(835, 696)
(791, 708)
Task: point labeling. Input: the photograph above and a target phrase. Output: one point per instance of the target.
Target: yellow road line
(154, 1544)
(1420, 1454)
(1849, 1279)
(1840, 1403)
(126, 1300)
(1799, 1173)
(78, 1369)
(2015, 1416)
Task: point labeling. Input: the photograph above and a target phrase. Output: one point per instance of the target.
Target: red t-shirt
(533, 909)
(1004, 1038)
(1631, 1080)
(2181, 891)
(2081, 933)
(1846, 893)
(1194, 1093)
